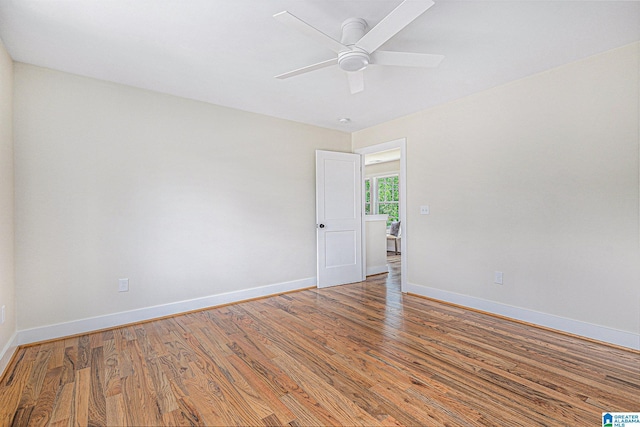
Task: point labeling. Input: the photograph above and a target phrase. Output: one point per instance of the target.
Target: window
(382, 195)
(367, 196)
(388, 197)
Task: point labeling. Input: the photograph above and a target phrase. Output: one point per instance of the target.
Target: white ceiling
(226, 52)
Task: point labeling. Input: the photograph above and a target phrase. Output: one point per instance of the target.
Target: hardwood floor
(360, 354)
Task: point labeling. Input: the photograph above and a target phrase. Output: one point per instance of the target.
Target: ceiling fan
(358, 48)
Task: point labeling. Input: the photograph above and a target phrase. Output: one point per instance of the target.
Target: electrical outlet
(123, 285)
(497, 277)
(424, 210)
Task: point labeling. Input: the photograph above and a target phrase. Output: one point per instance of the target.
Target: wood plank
(84, 352)
(176, 372)
(273, 404)
(302, 405)
(115, 410)
(97, 399)
(22, 416)
(335, 405)
(272, 421)
(36, 379)
(137, 390)
(164, 394)
(215, 396)
(69, 365)
(11, 393)
(43, 409)
(111, 368)
(63, 407)
(80, 415)
(96, 340)
(187, 414)
(57, 354)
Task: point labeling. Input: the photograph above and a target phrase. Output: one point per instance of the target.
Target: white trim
(7, 352)
(379, 217)
(87, 325)
(576, 327)
(377, 269)
(385, 146)
(382, 174)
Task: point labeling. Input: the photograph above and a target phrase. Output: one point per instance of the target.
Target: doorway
(387, 173)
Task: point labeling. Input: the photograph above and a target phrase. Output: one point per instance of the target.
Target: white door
(338, 218)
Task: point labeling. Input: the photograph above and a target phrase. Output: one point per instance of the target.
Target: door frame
(390, 145)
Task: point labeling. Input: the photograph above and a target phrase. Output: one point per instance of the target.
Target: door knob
(321, 225)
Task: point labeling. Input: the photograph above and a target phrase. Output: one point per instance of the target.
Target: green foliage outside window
(367, 202)
(388, 197)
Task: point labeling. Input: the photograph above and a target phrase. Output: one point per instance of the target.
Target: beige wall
(538, 179)
(7, 285)
(185, 199)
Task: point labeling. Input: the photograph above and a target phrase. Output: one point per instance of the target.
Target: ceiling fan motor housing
(355, 59)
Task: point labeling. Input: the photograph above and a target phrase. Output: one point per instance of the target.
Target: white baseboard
(377, 269)
(7, 352)
(82, 326)
(576, 327)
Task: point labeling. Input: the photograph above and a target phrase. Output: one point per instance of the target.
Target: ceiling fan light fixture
(353, 60)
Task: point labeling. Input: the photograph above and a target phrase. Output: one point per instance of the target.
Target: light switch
(424, 210)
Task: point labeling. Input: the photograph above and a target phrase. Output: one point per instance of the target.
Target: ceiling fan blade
(405, 59)
(391, 24)
(306, 29)
(308, 68)
(356, 81)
